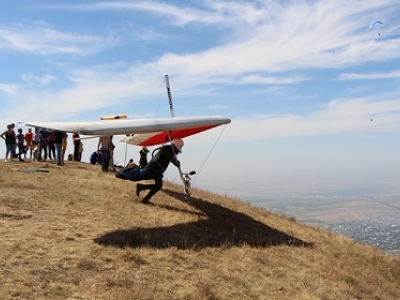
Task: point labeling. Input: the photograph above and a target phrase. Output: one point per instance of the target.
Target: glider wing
(375, 24)
(146, 132)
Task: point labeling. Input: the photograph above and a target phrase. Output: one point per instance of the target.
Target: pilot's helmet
(178, 143)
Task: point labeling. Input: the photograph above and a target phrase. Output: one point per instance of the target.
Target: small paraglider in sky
(376, 24)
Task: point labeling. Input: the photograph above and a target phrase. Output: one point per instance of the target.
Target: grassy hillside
(74, 232)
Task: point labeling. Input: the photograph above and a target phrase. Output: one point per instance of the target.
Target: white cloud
(90, 90)
(179, 16)
(369, 76)
(43, 80)
(303, 35)
(40, 38)
(259, 79)
(8, 88)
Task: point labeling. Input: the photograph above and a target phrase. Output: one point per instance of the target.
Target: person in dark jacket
(154, 170)
(10, 137)
(143, 157)
(59, 136)
(95, 158)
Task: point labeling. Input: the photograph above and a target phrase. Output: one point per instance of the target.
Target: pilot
(155, 169)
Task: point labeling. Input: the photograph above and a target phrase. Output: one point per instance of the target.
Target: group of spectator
(41, 145)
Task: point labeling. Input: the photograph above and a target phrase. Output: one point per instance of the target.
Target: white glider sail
(145, 132)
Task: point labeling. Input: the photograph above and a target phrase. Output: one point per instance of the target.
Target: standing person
(111, 147)
(77, 142)
(36, 135)
(103, 146)
(14, 149)
(28, 143)
(80, 150)
(143, 157)
(64, 147)
(52, 149)
(10, 139)
(154, 169)
(43, 143)
(58, 139)
(20, 142)
(35, 145)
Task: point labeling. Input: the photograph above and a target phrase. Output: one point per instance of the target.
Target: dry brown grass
(76, 233)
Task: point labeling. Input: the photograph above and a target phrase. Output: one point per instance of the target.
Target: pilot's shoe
(120, 176)
(146, 200)
(139, 188)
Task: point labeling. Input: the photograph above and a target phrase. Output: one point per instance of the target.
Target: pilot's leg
(154, 188)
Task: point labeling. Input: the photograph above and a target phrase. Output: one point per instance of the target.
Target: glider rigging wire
(209, 153)
(126, 150)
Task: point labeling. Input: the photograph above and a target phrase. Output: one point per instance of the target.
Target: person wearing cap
(155, 169)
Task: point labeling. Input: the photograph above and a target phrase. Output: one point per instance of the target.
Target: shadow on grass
(217, 227)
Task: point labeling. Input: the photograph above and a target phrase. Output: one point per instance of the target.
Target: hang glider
(143, 132)
(375, 24)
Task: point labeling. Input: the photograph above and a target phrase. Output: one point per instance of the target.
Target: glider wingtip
(227, 121)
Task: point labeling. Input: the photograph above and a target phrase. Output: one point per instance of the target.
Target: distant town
(363, 214)
(379, 230)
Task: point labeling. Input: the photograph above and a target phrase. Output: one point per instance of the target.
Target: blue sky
(312, 91)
